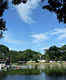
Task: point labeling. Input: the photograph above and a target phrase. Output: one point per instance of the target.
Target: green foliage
(55, 69)
(58, 7)
(3, 7)
(24, 72)
(53, 53)
(4, 51)
(15, 56)
(63, 47)
(56, 53)
(25, 55)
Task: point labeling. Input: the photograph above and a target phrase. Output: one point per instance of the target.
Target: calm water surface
(42, 76)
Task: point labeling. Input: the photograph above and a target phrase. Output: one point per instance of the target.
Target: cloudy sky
(30, 27)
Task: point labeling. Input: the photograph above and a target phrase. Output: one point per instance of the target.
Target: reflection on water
(55, 77)
(2, 76)
(26, 77)
(41, 76)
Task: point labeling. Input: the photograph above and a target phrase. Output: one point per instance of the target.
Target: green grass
(49, 69)
(55, 69)
(24, 72)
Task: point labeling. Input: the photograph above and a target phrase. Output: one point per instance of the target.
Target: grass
(55, 69)
(49, 68)
(24, 72)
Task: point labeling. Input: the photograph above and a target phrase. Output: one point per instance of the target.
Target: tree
(25, 55)
(30, 55)
(4, 51)
(3, 7)
(63, 48)
(16, 2)
(53, 53)
(58, 7)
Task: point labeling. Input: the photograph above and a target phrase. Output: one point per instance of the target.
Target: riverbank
(54, 68)
(24, 72)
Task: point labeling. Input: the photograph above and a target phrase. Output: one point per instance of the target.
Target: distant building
(42, 61)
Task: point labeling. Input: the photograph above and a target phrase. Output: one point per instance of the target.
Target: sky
(31, 27)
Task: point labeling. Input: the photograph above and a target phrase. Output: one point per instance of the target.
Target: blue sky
(30, 27)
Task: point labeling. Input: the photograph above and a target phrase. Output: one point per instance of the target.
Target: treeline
(55, 53)
(15, 56)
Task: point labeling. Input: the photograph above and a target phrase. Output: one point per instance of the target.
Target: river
(42, 76)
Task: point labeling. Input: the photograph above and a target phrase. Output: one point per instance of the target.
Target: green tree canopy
(54, 53)
(4, 51)
(25, 55)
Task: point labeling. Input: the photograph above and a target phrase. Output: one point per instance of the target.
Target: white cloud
(60, 32)
(62, 36)
(39, 37)
(25, 10)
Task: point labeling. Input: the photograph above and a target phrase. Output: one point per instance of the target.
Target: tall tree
(53, 53)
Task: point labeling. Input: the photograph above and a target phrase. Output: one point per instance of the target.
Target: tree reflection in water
(2, 75)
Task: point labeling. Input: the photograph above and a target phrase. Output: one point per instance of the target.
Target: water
(42, 76)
